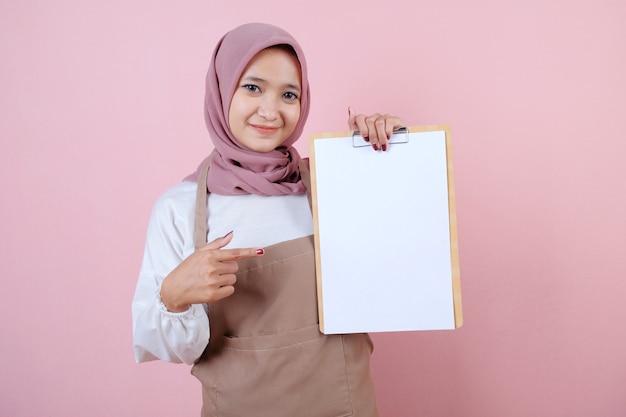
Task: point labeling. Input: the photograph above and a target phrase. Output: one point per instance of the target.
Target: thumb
(352, 119)
(219, 243)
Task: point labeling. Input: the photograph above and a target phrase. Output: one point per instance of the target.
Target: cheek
(294, 116)
(236, 111)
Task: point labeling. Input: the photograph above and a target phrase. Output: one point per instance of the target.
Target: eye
(290, 96)
(252, 88)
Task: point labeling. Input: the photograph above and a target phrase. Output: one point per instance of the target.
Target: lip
(265, 129)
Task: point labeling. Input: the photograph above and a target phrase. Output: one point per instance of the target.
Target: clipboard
(386, 242)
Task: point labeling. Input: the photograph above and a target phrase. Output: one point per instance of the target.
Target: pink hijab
(236, 169)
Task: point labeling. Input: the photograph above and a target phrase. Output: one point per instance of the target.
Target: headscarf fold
(236, 169)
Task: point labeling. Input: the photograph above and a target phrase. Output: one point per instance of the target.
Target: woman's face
(265, 108)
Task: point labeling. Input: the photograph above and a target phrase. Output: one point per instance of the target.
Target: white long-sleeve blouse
(256, 221)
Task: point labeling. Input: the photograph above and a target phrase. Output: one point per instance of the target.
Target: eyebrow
(254, 79)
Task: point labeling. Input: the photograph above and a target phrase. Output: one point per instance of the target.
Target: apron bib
(266, 356)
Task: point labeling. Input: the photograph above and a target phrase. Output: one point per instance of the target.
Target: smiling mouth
(267, 129)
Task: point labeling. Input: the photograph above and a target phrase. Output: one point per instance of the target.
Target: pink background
(101, 111)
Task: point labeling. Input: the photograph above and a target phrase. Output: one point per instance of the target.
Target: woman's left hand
(376, 128)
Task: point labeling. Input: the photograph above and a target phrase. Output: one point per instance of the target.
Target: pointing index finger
(239, 253)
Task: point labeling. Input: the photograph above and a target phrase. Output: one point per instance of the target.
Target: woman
(262, 354)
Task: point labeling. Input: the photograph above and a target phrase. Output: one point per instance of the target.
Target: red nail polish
(375, 146)
(260, 251)
(384, 147)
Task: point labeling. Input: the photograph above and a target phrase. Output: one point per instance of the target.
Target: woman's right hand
(207, 275)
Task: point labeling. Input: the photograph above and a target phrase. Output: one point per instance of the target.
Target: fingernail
(375, 145)
(229, 233)
(384, 147)
(260, 252)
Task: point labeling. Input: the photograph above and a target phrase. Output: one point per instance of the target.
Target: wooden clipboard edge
(454, 242)
(454, 236)
(318, 261)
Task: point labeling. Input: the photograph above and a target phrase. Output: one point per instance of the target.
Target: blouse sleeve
(158, 333)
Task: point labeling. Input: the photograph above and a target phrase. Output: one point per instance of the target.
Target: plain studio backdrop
(101, 111)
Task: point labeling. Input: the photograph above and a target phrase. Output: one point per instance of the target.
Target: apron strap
(200, 225)
(305, 174)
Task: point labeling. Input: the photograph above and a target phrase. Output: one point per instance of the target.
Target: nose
(268, 108)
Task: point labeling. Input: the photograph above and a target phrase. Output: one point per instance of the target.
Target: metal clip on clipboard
(400, 135)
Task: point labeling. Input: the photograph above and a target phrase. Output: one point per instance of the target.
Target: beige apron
(266, 356)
